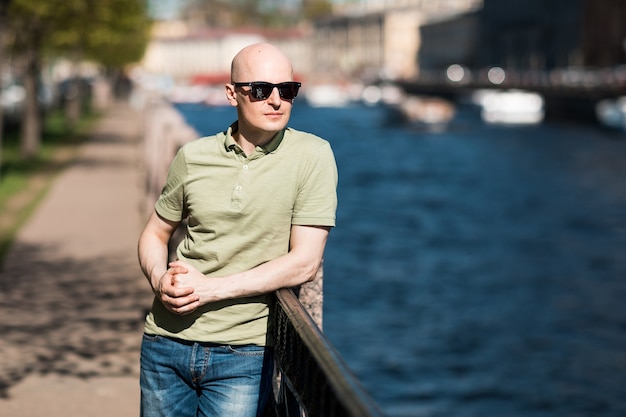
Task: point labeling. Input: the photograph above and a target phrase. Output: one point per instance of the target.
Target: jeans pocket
(247, 350)
(151, 337)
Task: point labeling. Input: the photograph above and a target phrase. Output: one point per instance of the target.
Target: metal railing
(312, 378)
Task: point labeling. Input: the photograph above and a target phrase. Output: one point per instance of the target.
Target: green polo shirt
(240, 209)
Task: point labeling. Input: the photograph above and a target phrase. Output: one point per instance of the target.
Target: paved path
(72, 297)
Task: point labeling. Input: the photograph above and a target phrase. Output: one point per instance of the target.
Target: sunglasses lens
(262, 90)
(288, 91)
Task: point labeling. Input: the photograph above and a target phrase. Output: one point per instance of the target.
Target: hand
(185, 276)
(176, 298)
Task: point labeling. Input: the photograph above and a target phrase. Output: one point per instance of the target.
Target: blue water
(474, 270)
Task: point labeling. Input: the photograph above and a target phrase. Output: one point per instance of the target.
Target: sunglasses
(261, 90)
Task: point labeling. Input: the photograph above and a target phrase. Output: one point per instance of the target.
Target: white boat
(327, 95)
(511, 107)
(612, 113)
(427, 110)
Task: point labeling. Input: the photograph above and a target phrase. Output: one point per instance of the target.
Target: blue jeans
(180, 379)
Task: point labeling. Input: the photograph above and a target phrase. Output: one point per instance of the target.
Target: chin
(275, 126)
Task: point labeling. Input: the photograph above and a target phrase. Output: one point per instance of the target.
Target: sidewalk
(72, 297)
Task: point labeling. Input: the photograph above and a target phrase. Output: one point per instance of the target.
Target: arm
(298, 266)
(153, 256)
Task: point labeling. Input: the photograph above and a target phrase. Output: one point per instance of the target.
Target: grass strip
(24, 182)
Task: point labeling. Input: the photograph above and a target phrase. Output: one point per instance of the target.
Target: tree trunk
(3, 24)
(2, 65)
(31, 120)
(73, 103)
(74, 93)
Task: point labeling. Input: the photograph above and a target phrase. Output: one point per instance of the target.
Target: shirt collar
(271, 146)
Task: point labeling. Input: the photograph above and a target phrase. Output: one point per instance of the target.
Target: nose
(274, 98)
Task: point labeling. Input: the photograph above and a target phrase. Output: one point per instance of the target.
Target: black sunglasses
(261, 90)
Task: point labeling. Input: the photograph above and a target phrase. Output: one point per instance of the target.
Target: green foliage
(112, 32)
(119, 33)
(317, 8)
(263, 13)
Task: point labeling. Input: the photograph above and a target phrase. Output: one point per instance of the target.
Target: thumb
(179, 267)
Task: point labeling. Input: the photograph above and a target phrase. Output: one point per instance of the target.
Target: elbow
(312, 270)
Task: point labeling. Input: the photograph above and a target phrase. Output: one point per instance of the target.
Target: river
(475, 270)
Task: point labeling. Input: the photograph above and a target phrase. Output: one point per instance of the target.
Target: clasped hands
(179, 288)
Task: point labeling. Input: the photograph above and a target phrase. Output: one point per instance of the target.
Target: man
(259, 199)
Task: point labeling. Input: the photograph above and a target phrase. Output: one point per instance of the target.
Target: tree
(314, 9)
(28, 25)
(122, 33)
(4, 5)
(112, 32)
(261, 13)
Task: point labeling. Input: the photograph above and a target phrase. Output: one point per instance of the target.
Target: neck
(248, 142)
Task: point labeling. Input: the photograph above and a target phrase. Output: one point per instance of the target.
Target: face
(260, 117)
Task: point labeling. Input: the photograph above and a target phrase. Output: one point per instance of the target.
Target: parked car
(13, 98)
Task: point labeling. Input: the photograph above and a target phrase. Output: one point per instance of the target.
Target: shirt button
(238, 188)
(245, 167)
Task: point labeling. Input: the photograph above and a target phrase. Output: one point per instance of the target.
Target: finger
(178, 278)
(178, 292)
(179, 264)
(177, 269)
(187, 309)
(174, 303)
(168, 287)
(182, 306)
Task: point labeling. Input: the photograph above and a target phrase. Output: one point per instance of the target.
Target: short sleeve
(170, 204)
(316, 202)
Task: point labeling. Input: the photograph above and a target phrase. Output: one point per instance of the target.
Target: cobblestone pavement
(72, 297)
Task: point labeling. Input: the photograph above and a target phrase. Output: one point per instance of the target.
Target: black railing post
(310, 368)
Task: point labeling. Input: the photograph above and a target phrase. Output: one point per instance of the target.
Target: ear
(231, 95)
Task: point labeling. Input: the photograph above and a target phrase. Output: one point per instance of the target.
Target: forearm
(296, 267)
(153, 257)
(152, 248)
(287, 271)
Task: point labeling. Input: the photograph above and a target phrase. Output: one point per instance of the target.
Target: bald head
(261, 62)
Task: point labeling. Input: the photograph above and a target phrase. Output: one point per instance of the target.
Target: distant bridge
(566, 92)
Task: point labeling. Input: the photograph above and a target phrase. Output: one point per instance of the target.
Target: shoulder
(201, 147)
(304, 136)
(302, 139)
(308, 151)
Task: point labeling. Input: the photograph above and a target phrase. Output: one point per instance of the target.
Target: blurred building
(449, 40)
(604, 26)
(379, 38)
(549, 34)
(401, 39)
(183, 53)
(532, 36)
(369, 40)
(572, 52)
